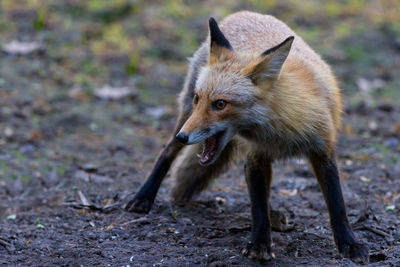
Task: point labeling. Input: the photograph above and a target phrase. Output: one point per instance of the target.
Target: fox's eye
(195, 99)
(220, 104)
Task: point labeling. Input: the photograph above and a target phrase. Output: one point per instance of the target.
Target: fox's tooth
(198, 155)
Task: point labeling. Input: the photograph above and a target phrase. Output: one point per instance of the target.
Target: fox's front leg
(143, 200)
(328, 177)
(258, 170)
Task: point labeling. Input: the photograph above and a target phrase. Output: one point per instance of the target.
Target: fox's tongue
(209, 148)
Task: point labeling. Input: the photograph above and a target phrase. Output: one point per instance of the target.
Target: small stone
(365, 179)
(170, 230)
(186, 221)
(8, 132)
(372, 125)
(397, 43)
(152, 236)
(28, 148)
(220, 200)
(391, 142)
(156, 112)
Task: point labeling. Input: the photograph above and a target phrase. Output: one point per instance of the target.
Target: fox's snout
(193, 130)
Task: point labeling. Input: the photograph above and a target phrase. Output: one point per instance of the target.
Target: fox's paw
(357, 252)
(139, 204)
(261, 251)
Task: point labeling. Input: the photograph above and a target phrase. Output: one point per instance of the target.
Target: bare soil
(70, 159)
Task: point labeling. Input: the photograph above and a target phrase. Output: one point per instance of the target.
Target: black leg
(143, 200)
(258, 170)
(328, 177)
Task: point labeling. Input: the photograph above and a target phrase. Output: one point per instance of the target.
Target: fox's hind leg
(191, 178)
(325, 170)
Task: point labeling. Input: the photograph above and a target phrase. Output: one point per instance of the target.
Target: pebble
(391, 142)
(27, 148)
(152, 236)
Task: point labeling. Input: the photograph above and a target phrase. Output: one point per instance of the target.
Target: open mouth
(210, 148)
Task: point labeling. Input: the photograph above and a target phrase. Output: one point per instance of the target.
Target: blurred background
(90, 87)
(103, 66)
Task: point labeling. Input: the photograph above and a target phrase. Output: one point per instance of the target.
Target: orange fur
(302, 103)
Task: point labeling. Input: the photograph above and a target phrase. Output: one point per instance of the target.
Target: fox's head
(229, 95)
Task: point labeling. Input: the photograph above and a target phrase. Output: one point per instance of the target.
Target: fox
(255, 83)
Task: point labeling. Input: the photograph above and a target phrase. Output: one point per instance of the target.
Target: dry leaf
(21, 48)
(344, 176)
(8, 132)
(76, 93)
(365, 179)
(114, 93)
(93, 177)
(397, 128)
(372, 125)
(348, 130)
(36, 135)
(286, 192)
(156, 112)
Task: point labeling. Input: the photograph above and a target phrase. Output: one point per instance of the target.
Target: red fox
(255, 81)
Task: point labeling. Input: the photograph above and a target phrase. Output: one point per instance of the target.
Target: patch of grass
(90, 67)
(132, 66)
(111, 11)
(355, 52)
(25, 179)
(61, 170)
(391, 93)
(310, 34)
(332, 8)
(19, 156)
(383, 149)
(176, 9)
(4, 167)
(11, 217)
(41, 17)
(343, 29)
(263, 4)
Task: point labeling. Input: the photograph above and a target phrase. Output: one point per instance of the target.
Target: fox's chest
(280, 146)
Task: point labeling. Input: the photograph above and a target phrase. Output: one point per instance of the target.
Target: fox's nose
(182, 137)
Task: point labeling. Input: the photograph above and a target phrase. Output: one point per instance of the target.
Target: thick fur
(297, 113)
(191, 178)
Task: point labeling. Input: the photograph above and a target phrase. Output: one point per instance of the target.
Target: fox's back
(255, 33)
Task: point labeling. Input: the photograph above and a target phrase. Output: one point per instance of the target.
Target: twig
(8, 246)
(4, 243)
(373, 230)
(84, 200)
(106, 209)
(138, 220)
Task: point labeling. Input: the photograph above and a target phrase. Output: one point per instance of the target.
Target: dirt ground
(87, 99)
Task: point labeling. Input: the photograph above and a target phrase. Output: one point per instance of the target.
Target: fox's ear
(220, 48)
(270, 62)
